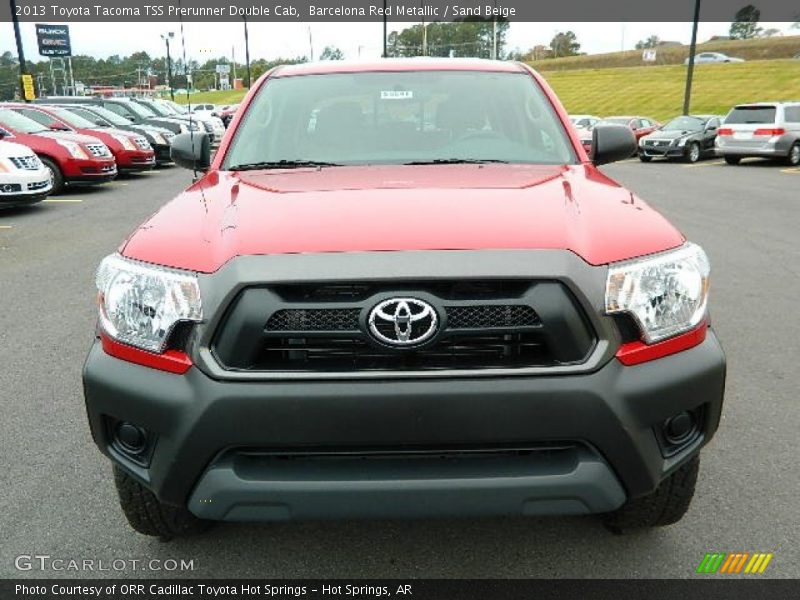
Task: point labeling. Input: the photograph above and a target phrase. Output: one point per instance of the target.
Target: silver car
(713, 57)
(763, 129)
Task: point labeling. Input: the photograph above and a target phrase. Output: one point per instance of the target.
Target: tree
(331, 53)
(650, 42)
(565, 43)
(745, 23)
(471, 37)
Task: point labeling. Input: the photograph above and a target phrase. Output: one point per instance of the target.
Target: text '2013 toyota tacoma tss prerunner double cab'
(402, 289)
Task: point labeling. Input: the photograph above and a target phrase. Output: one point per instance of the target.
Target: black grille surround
(323, 329)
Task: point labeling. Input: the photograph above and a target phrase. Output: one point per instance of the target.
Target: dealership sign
(53, 40)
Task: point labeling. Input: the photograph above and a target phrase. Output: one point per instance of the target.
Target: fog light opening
(679, 428)
(131, 438)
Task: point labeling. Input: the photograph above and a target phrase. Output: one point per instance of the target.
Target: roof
(399, 64)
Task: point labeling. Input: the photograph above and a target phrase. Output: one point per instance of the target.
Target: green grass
(218, 97)
(657, 91)
(755, 49)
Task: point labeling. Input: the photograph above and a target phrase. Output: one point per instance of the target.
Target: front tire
(793, 159)
(664, 506)
(56, 177)
(693, 152)
(733, 160)
(147, 515)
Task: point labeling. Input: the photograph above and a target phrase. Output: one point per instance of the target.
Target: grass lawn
(654, 91)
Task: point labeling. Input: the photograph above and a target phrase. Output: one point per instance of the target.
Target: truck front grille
(324, 327)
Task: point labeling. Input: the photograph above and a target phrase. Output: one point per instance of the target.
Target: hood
(10, 150)
(670, 135)
(70, 137)
(396, 208)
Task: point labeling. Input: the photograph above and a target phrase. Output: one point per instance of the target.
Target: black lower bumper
(280, 449)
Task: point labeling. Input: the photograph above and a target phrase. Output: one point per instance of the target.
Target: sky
(273, 40)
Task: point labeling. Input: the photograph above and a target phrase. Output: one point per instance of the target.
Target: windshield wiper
(282, 164)
(456, 161)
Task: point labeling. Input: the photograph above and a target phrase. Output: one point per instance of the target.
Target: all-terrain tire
(149, 516)
(665, 506)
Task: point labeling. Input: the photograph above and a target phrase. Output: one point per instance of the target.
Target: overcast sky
(271, 40)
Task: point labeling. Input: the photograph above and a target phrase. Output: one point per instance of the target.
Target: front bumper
(662, 151)
(218, 443)
(134, 161)
(24, 187)
(79, 170)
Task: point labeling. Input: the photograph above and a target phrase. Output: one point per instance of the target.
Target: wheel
(732, 160)
(644, 158)
(149, 516)
(794, 155)
(693, 152)
(56, 177)
(665, 506)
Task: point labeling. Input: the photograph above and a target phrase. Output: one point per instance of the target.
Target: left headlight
(141, 303)
(667, 293)
(124, 141)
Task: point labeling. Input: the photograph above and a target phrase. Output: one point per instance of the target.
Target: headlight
(665, 293)
(682, 142)
(124, 141)
(158, 138)
(75, 151)
(641, 140)
(141, 303)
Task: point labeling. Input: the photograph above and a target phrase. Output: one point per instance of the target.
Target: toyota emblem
(403, 322)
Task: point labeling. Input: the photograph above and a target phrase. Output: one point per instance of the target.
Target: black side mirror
(611, 143)
(191, 151)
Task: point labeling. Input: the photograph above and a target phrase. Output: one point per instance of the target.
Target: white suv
(763, 129)
(23, 177)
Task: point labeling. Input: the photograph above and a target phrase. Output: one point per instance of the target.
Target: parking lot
(58, 497)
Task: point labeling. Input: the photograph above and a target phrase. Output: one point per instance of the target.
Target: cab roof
(399, 64)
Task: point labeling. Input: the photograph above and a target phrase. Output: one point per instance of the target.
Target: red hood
(69, 136)
(353, 209)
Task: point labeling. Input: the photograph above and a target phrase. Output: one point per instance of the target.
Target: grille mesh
(314, 319)
(489, 316)
(99, 150)
(27, 163)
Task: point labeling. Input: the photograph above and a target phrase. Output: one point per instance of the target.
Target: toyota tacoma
(402, 289)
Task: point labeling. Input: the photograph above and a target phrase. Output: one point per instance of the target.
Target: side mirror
(191, 151)
(132, 119)
(3, 133)
(57, 127)
(101, 123)
(611, 143)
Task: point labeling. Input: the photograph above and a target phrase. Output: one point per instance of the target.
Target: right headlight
(141, 303)
(666, 294)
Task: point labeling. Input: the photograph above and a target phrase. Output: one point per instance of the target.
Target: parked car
(23, 178)
(424, 303)
(71, 158)
(713, 57)
(133, 112)
(640, 126)
(132, 152)
(226, 113)
(159, 138)
(164, 108)
(202, 109)
(689, 138)
(764, 129)
(586, 122)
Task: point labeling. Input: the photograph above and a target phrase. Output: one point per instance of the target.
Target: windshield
(615, 121)
(154, 108)
(140, 110)
(685, 124)
(742, 115)
(19, 122)
(98, 112)
(72, 119)
(400, 117)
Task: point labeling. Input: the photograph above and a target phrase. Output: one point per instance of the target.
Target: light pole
(23, 68)
(385, 26)
(167, 37)
(687, 96)
(247, 52)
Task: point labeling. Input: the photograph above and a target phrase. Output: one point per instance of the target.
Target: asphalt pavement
(58, 498)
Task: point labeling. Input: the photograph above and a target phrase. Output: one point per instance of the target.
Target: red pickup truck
(402, 289)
